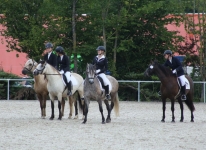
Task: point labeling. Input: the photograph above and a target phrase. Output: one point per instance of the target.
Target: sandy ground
(137, 127)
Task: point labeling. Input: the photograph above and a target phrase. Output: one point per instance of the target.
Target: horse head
(40, 67)
(29, 66)
(90, 72)
(151, 69)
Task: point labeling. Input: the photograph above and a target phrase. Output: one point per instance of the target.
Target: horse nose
(24, 72)
(35, 73)
(91, 81)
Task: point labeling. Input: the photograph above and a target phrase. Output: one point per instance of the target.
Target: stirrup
(108, 96)
(69, 93)
(183, 97)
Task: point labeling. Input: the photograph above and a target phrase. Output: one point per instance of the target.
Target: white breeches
(68, 76)
(182, 80)
(106, 81)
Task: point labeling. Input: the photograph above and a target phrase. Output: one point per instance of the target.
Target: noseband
(41, 70)
(30, 68)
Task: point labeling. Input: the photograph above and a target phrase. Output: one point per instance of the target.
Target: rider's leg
(183, 87)
(106, 84)
(69, 83)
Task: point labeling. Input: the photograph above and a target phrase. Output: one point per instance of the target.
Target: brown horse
(40, 85)
(170, 89)
(93, 91)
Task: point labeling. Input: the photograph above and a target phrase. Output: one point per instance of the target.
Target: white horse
(57, 87)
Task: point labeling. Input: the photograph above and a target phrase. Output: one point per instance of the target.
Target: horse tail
(116, 104)
(81, 106)
(189, 101)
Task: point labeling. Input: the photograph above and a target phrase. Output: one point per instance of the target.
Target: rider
(177, 69)
(49, 57)
(63, 65)
(101, 66)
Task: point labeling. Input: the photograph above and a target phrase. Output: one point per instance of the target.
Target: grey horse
(93, 91)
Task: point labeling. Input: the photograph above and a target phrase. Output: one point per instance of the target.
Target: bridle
(30, 67)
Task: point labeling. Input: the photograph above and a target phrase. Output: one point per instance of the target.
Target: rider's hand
(97, 71)
(61, 72)
(174, 71)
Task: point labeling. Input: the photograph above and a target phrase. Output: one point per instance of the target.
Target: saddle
(101, 82)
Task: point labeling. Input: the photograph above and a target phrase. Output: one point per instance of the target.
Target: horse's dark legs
(52, 107)
(76, 108)
(63, 105)
(85, 111)
(173, 109)
(181, 108)
(59, 106)
(101, 110)
(163, 109)
(108, 120)
(112, 105)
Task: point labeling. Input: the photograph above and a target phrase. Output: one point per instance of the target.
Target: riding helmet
(100, 48)
(168, 52)
(48, 45)
(59, 49)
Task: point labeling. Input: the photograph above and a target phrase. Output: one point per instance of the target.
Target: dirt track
(138, 127)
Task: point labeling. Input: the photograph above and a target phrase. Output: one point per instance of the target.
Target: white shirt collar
(49, 54)
(100, 57)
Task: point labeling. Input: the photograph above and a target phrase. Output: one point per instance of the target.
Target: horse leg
(173, 109)
(63, 105)
(163, 109)
(76, 110)
(60, 113)
(44, 104)
(101, 110)
(52, 108)
(70, 99)
(41, 105)
(85, 110)
(181, 108)
(108, 120)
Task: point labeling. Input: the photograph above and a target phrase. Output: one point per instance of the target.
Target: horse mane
(165, 70)
(53, 68)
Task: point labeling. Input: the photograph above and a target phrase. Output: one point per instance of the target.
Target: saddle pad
(73, 79)
(187, 83)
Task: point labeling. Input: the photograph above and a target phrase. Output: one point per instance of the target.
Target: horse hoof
(51, 118)
(70, 117)
(192, 121)
(83, 122)
(103, 123)
(162, 121)
(59, 118)
(108, 121)
(76, 117)
(173, 121)
(181, 120)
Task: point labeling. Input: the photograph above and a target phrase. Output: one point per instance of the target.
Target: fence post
(7, 89)
(138, 91)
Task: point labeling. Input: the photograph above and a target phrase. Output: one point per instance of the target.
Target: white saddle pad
(73, 79)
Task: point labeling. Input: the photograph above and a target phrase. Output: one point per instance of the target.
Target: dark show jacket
(176, 64)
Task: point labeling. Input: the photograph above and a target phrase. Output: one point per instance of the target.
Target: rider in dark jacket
(63, 65)
(177, 69)
(49, 57)
(101, 66)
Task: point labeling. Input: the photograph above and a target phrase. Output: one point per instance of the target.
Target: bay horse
(170, 89)
(93, 91)
(57, 87)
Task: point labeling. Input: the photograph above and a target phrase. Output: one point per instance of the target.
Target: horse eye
(30, 64)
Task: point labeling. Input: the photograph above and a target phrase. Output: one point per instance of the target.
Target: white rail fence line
(120, 81)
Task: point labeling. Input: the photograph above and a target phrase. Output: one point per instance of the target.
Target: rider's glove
(174, 71)
(61, 72)
(97, 71)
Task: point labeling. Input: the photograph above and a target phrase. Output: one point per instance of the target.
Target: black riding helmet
(168, 52)
(100, 48)
(48, 45)
(59, 49)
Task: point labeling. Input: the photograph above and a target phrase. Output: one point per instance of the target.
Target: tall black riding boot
(107, 92)
(69, 87)
(183, 97)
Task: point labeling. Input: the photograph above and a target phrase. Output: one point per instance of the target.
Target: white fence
(120, 81)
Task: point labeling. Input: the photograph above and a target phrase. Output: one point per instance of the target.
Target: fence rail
(120, 81)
